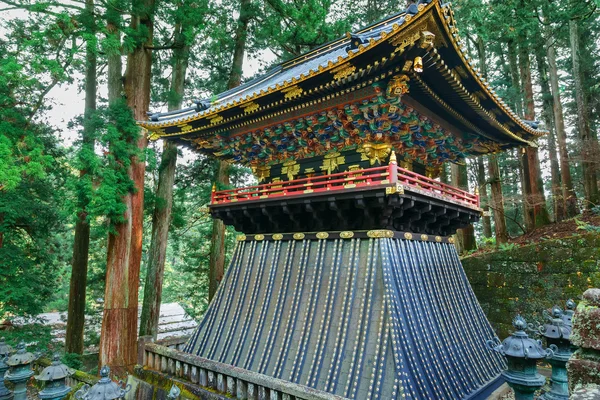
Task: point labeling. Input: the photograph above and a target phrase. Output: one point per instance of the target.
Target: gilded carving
(408, 235)
(241, 238)
(346, 234)
(438, 239)
(277, 236)
(424, 237)
(396, 189)
(185, 127)
(298, 236)
(216, 119)
(250, 107)
(332, 161)
(398, 86)
(426, 39)
(380, 233)
(292, 92)
(322, 235)
(291, 169)
(450, 240)
(343, 71)
(376, 152)
(261, 172)
(259, 237)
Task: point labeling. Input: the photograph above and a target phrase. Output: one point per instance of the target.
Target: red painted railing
(383, 176)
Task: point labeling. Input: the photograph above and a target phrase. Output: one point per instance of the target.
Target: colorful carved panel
(373, 126)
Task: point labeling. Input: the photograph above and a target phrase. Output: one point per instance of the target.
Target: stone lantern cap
(21, 357)
(568, 313)
(5, 349)
(519, 344)
(105, 389)
(556, 328)
(55, 371)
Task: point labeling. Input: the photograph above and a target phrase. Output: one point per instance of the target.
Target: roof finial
(214, 187)
(393, 157)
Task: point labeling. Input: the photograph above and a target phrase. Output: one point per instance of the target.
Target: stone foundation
(584, 366)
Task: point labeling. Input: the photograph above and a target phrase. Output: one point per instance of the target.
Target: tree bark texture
(571, 208)
(483, 195)
(217, 245)
(118, 342)
(465, 238)
(497, 203)
(81, 241)
(534, 198)
(161, 216)
(558, 199)
(588, 144)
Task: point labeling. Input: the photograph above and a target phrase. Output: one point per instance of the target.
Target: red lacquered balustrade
(370, 178)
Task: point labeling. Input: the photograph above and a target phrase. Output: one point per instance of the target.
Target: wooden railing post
(393, 168)
(212, 194)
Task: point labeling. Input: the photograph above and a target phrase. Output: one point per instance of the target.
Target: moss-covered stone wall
(532, 278)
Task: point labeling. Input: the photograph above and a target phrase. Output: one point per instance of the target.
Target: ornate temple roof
(405, 80)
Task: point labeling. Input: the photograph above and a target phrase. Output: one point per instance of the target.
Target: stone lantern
(568, 313)
(522, 354)
(20, 370)
(557, 334)
(5, 351)
(105, 389)
(55, 376)
(174, 393)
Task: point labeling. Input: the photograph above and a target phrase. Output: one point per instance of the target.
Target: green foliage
(508, 246)
(72, 360)
(584, 226)
(33, 238)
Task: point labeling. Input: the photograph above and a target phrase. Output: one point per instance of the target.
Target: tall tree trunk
(465, 238)
(514, 76)
(497, 203)
(81, 242)
(483, 195)
(118, 340)
(217, 245)
(588, 145)
(568, 192)
(486, 221)
(161, 216)
(558, 199)
(535, 200)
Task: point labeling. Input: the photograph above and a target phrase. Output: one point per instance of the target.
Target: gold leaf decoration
(277, 236)
(216, 119)
(332, 161)
(322, 235)
(346, 234)
(343, 71)
(291, 169)
(451, 240)
(438, 239)
(380, 233)
(292, 92)
(250, 107)
(424, 237)
(298, 236)
(185, 127)
(241, 238)
(398, 86)
(376, 152)
(259, 237)
(408, 235)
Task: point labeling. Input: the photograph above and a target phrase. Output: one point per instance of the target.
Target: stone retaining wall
(532, 278)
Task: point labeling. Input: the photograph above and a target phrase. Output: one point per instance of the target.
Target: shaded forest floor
(584, 223)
